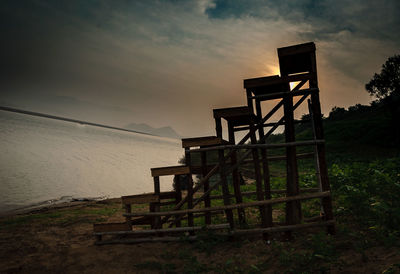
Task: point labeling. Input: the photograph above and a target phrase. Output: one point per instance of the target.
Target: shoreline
(58, 204)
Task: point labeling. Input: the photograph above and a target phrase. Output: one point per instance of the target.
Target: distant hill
(162, 131)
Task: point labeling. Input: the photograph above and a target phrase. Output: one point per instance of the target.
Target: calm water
(47, 161)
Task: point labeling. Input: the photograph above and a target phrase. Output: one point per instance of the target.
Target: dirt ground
(59, 240)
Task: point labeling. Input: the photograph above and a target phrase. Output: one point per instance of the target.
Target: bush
(369, 193)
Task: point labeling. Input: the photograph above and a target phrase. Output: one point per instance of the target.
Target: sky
(169, 63)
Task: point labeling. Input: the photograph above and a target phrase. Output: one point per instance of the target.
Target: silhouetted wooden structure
(298, 68)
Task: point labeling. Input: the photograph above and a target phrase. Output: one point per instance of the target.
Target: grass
(60, 217)
(366, 197)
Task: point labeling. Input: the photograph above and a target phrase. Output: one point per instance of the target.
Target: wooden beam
(235, 206)
(145, 240)
(202, 141)
(273, 191)
(234, 232)
(285, 94)
(281, 228)
(163, 230)
(267, 146)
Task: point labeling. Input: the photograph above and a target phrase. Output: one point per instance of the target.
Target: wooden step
(237, 116)
(297, 59)
(202, 141)
(264, 85)
(170, 170)
(232, 112)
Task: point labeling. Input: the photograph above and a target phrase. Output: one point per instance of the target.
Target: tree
(337, 113)
(386, 87)
(386, 83)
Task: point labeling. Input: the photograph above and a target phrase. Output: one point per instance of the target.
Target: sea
(45, 161)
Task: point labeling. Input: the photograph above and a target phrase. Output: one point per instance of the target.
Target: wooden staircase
(298, 66)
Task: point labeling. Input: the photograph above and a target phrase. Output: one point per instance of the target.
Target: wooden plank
(273, 191)
(243, 128)
(170, 170)
(279, 95)
(267, 146)
(232, 112)
(163, 230)
(235, 206)
(262, 82)
(110, 227)
(234, 232)
(145, 240)
(202, 141)
(296, 49)
(140, 199)
(282, 228)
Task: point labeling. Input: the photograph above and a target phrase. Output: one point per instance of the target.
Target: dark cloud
(170, 62)
(379, 19)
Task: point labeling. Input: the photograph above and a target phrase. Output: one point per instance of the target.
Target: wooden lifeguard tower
(297, 69)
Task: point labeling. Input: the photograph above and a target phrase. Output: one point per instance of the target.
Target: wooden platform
(170, 170)
(202, 141)
(265, 85)
(236, 116)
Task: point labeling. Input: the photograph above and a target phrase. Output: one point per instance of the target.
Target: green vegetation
(369, 193)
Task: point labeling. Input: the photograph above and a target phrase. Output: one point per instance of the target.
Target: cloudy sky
(171, 62)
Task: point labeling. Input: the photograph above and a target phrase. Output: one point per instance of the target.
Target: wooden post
(257, 171)
(293, 209)
(249, 100)
(225, 188)
(218, 127)
(207, 201)
(156, 206)
(178, 197)
(317, 119)
(264, 158)
(128, 209)
(319, 134)
(235, 175)
(189, 187)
